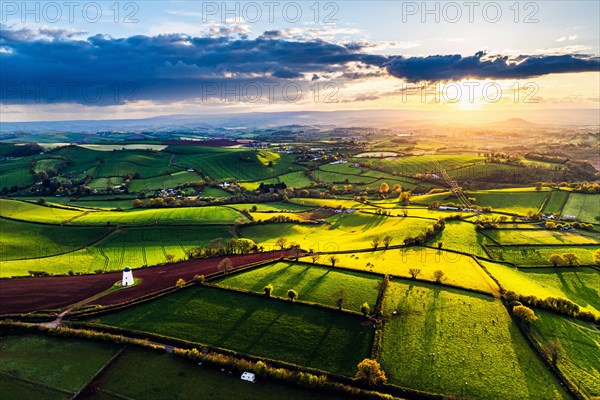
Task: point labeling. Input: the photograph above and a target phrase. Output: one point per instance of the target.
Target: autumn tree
(180, 282)
(370, 372)
(384, 188)
(404, 198)
(571, 259)
(596, 257)
(556, 260)
(524, 314)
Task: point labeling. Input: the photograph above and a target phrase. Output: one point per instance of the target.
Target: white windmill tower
(127, 277)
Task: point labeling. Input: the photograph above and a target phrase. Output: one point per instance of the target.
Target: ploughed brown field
(23, 295)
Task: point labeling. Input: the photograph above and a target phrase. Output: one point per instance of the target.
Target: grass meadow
(313, 283)
(457, 344)
(296, 333)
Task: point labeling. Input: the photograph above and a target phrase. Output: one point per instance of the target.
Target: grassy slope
(579, 285)
(474, 341)
(556, 201)
(19, 240)
(586, 207)
(580, 343)
(147, 375)
(460, 270)
(133, 247)
(461, 236)
(345, 232)
(301, 334)
(313, 283)
(54, 362)
(538, 255)
(166, 216)
(541, 236)
(517, 202)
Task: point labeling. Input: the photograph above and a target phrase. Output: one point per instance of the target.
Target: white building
(127, 277)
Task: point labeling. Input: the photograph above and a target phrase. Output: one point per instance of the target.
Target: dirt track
(22, 295)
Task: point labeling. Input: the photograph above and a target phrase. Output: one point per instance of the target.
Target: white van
(249, 376)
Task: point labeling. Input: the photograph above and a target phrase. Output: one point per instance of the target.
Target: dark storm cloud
(456, 67)
(176, 67)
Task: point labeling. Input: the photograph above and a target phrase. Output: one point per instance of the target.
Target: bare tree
(225, 265)
(375, 242)
(387, 241)
(281, 242)
(439, 276)
(414, 272)
(333, 260)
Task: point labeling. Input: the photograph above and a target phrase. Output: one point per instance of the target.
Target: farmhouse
(448, 208)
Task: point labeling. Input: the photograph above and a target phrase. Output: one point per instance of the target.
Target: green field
(133, 247)
(580, 344)
(32, 212)
(478, 352)
(460, 270)
(586, 207)
(141, 374)
(580, 285)
(516, 202)
(541, 236)
(343, 232)
(167, 216)
(461, 236)
(164, 181)
(556, 201)
(538, 255)
(244, 165)
(20, 240)
(57, 363)
(301, 334)
(313, 283)
(163, 216)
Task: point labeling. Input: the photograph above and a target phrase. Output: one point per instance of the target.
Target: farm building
(448, 208)
(127, 277)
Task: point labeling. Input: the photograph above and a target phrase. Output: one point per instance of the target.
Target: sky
(134, 59)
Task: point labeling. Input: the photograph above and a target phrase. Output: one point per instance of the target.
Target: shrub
(370, 372)
(556, 260)
(268, 290)
(180, 282)
(292, 294)
(439, 276)
(199, 278)
(524, 314)
(365, 308)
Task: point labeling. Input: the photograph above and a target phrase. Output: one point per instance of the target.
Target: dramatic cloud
(478, 66)
(52, 66)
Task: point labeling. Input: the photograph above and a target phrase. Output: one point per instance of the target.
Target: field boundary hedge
(98, 373)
